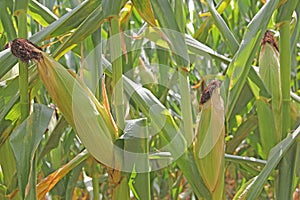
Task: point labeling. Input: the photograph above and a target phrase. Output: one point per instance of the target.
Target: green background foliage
(145, 62)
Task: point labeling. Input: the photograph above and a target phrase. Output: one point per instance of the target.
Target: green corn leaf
(8, 96)
(53, 140)
(41, 14)
(241, 193)
(67, 22)
(92, 22)
(241, 64)
(209, 145)
(28, 136)
(243, 131)
(7, 61)
(7, 20)
(285, 11)
(8, 167)
(224, 29)
(159, 115)
(276, 154)
(85, 28)
(167, 20)
(136, 141)
(145, 10)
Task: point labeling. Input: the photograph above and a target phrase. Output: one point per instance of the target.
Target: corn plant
(149, 99)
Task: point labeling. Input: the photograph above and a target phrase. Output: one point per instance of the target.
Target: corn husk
(90, 119)
(270, 74)
(209, 144)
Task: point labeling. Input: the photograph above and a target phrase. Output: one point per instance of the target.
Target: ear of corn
(90, 118)
(209, 144)
(270, 74)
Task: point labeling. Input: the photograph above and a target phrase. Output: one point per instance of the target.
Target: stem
(285, 177)
(23, 85)
(117, 82)
(287, 164)
(121, 189)
(186, 109)
(97, 37)
(95, 181)
(21, 9)
(285, 70)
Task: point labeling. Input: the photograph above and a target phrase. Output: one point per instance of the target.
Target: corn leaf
(28, 135)
(41, 14)
(67, 22)
(51, 180)
(224, 29)
(137, 156)
(276, 154)
(7, 20)
(92, 22)
(167, 20)
(7, 61)
(145, 10)
(8, 167)
(240, 65)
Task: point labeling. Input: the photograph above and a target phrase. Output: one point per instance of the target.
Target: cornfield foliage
(150, 99)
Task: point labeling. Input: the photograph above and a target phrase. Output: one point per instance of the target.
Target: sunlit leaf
(275, 156)
(145, 10)
(240, 65)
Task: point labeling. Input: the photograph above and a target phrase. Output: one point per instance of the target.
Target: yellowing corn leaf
(209, 144)
(50, 181)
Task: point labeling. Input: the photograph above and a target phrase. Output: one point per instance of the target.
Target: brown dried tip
(24, 50)
(206, 94)
(269, 38)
